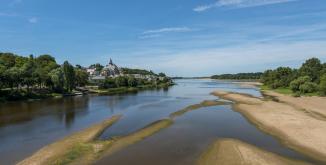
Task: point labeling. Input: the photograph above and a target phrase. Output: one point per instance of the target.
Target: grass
(288, 91)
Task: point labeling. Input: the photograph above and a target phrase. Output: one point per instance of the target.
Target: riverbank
(9, 95)
(233, 152)
(294, 127)
(123, 90)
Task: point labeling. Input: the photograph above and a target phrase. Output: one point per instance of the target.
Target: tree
(69, 76)
(29, 72)
(312, 68)
(121, 81)
(308, 87)
(322, 85)
(44, 65)
(81, 77)
(132, 82)
(97, 66)
(57, 79)
(108, 83)
(161, 75)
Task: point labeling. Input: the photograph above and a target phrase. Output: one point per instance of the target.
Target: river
(26, 126)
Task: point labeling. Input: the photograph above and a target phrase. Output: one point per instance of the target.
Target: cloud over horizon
(239, 4)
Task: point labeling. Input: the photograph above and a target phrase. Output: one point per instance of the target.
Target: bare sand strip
(59, 148)
(100, 149)
(206, 103)
(314, 105)
(235, 152)
(294, 127)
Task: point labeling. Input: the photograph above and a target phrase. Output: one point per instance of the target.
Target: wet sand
(294, 127)
(234, 152)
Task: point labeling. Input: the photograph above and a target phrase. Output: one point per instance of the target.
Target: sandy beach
(296, 128)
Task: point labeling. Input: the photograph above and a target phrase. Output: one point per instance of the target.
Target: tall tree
(312, 68)
(69, 76)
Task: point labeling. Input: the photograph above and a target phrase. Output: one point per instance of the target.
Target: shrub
(295, 84)
(308, 87)
(322, 85)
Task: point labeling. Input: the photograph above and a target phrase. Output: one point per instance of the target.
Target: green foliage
(137, 71)
(312, 68)
(81, 77)
(57, 78)
(308, 87)
(97, 66)
(25, 74)
(69, 76)
(121, 81)
(239, 76)
(295, 84)
(305, 80)
(132, 82)
(322, 85)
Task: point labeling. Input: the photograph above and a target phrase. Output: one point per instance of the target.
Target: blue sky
(179, 37)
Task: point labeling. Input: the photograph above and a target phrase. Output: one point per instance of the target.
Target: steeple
(111, 63)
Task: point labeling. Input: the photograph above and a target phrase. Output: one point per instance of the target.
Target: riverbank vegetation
(42, 77)
(37, 77)
(309, 79)
(239, 76)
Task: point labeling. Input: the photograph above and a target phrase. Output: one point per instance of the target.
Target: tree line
(26, 74)
(239, 76)
(309, 78)
(130, 81)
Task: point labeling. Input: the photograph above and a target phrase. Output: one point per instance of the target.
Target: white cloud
(239, 4)
(33, 20)
(241, 58)
(166, 30)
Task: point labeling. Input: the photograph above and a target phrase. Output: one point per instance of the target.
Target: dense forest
(23, 76)
(309, 78)
(239, 76)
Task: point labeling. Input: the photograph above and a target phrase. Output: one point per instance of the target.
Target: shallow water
(27, 126)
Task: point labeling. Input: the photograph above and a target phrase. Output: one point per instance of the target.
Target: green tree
(308, 87)
(121, 81)
(132, 82)
(161, 75)
(322, 85)
(57, 79)
(81, 77)
(295, 84)
(69, 76)
(29, 72)
(312, 68)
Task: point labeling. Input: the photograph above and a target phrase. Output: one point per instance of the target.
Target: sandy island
(50, 152)
(234, 152)
(296, 128)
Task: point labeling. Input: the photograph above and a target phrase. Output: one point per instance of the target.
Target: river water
(25, 126)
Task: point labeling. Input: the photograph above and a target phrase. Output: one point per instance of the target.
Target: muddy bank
(234, 152)
(49, 153)
(296, 128)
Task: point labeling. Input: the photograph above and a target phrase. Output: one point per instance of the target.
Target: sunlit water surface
(25, 127)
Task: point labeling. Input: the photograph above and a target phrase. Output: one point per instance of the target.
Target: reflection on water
(27, 126)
